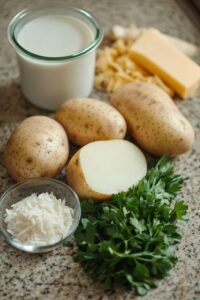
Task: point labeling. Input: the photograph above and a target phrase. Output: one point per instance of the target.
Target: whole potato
(86, 120)
(153, 119)
(37, 148)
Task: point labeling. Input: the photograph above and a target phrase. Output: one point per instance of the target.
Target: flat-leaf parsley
(128, 241)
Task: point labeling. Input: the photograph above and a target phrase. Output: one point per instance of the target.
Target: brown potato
(86, 120)
(153, 119)
(37, 148)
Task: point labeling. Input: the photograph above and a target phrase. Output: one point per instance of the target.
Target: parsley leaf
(128, 241)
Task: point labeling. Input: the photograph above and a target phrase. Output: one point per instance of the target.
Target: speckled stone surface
(54, 275)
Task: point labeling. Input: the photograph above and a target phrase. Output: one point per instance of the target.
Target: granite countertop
(54, 275)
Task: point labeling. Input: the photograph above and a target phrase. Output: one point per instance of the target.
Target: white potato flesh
(112, 166)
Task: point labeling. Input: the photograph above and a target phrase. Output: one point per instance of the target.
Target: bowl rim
(44, 248)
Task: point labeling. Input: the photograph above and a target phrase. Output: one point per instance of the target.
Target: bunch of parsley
(128, 241)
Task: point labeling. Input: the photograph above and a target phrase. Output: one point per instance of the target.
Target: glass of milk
(55, 47)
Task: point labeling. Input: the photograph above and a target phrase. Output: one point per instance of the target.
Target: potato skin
(76, 179)
(38, 147)
(87, 120)
(153, 119)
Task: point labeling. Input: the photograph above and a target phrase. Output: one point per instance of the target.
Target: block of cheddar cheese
(153, 51)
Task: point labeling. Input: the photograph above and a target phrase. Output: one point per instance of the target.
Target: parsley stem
(138, 255)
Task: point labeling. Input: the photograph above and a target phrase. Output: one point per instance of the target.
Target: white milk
(51, 79)
(55, 36)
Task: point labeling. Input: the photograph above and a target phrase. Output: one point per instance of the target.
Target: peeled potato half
(103, 168)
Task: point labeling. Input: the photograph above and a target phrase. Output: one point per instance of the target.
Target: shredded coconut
(39, 220)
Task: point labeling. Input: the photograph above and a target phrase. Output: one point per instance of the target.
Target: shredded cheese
(39, 219)
(116, 67)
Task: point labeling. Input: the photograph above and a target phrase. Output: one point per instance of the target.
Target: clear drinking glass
(49, 81)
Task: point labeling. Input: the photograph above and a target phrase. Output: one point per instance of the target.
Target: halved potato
(103, 168)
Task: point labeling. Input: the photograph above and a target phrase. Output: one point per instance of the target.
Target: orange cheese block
(153, 51)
